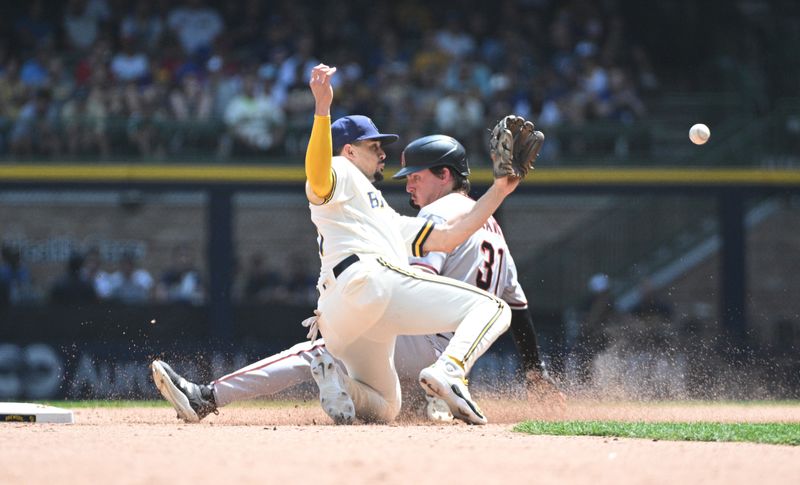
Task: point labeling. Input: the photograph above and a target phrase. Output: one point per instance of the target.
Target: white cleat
(437, 410)
(333, 396)
(445, 380)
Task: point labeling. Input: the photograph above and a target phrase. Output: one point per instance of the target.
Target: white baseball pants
(373, 301)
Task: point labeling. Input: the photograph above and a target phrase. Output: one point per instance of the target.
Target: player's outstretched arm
(320, 145)
(448, 236)
(514, 147)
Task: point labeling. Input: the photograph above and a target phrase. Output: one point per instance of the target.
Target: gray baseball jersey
(493, 271)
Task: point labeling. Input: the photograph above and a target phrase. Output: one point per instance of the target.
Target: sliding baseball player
(369, 294)
(436, 172)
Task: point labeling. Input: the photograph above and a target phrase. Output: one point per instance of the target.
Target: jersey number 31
(485, 273)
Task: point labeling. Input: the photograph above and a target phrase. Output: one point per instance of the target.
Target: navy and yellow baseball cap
(353, 128)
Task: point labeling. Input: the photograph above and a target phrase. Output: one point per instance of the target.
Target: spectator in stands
(294, 68)
(92, 271)
(129, 284)
(191, 106)
(261, 283)
(61, 82)
(12, 97)
(143, 25)
(298, 101)
(571, 63)
(33, 72)
(166, 59)
(148, 113)
(15, 278)
(181, 282)
(196, 25)
(460, 114)
(429, 62)
(72, 289)
(93, 66)
(33, 29)
(100, 10)
(247, 37)
(454, 39)
(130, 64)
(35, 129)
(84, 120)
(646, 76)
(300, 283)
(190, 100)
(624, 104)
(471, 74)
(593, 82)
(82, 21)
(222, 81)
(255, 122)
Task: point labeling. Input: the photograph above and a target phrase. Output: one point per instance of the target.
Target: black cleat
(193, 402)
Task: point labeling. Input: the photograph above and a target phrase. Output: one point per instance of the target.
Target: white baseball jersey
(364, 309)
(355, 219)
(495, 272)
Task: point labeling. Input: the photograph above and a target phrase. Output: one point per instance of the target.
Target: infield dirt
(296, 443)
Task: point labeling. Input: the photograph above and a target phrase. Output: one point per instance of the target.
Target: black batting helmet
(433, 151)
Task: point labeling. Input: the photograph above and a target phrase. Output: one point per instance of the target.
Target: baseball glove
(514, 146)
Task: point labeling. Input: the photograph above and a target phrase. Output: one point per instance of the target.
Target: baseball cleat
(445, 380)
(437, 410)
(333, 396)
(193, 402)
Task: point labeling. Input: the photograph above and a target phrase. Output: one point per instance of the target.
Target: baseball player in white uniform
(437, 173)
(369, 294)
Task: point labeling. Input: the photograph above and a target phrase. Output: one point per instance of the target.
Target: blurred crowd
(169, 79)
(92, 276)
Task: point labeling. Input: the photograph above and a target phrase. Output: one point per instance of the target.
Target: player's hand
(507, 184)
(320, 84)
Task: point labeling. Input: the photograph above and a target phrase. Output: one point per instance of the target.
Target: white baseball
(699, 134)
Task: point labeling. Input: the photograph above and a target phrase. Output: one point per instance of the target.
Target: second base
(22, 412)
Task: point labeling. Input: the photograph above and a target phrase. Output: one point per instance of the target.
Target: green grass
(770, 433)
(702, 403)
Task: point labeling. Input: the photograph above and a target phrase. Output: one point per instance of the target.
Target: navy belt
(344, 264)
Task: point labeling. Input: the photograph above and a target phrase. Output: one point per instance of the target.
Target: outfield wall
(226, 214)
